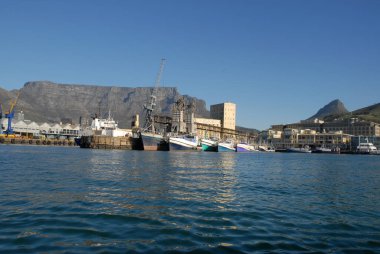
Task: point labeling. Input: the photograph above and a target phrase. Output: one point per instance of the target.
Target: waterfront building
(298, 138)
(226, 113)
(205, 127)
(352, 126)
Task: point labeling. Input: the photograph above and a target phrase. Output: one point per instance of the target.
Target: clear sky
(279, 61)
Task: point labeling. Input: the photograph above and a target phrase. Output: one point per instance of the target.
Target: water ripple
(67, 200)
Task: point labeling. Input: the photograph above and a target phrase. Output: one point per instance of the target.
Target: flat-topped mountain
(52, 102)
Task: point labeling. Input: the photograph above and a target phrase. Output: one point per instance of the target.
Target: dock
(46, 142)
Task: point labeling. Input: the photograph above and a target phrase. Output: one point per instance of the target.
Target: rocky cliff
(51, 102)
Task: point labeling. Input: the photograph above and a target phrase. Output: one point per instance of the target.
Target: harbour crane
(149, 121)
(10, 114)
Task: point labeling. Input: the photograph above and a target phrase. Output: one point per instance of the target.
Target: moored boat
(244, 147)
(266, 149)
(209, 145)
(185, 142)
(227, 146)
(154, 142)
(323, 149)
(305, 149)
(366, 148)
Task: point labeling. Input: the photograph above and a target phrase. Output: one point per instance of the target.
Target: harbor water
(71, 200)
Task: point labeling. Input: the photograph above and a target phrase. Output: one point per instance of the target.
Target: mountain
(370, 113)
(336, 107)
(51, 102)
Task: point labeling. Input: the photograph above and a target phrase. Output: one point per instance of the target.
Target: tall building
(226, 113)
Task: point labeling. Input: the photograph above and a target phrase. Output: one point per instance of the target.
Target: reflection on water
(78, 200)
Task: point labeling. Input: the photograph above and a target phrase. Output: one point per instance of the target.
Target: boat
(227, 146)
(151, 139)
(244, 147)
(100, 127)
(266, 149)
(209, 145)
(185, 142)
(154, 142)
(305, 149)
(366, 148)
(323, 149)
(104, 127)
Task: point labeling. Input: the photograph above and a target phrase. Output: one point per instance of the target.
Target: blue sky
(279, 61)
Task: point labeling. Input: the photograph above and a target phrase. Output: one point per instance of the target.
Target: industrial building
(226, 113)
(31, 129)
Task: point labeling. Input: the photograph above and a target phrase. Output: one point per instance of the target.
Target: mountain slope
(335, 107)
(370, 113)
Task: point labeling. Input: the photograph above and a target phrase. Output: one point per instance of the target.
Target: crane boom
(149, 125)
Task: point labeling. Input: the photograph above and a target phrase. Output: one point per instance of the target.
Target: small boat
(185, 142)
(210, 145)
(305, 149)
(244, 147)
(323, 149)
(266, 149)
(366, 148)
(227, 146)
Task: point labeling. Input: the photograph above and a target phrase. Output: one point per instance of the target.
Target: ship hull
(209, 145)
(209, 148)
(182, 144)
(223, 148)
(244, 148)
(154, 142)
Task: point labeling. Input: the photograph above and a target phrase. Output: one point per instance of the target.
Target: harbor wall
(26, 141)
(106, 142)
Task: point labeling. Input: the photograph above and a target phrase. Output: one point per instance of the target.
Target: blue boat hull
(177, 147)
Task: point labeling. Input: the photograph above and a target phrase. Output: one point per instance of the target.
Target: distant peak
(335, 107)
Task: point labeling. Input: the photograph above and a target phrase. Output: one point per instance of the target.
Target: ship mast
(149, 108)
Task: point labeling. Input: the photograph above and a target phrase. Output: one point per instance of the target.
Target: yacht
(366, 148)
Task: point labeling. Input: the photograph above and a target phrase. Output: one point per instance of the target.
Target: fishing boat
(154, 142)
(104, 127)
(151, 139)
(244, 147)
(227, 146)
(185, 142)
(209, 145)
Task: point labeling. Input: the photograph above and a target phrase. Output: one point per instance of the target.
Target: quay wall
(106, 142)
(46, 142)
